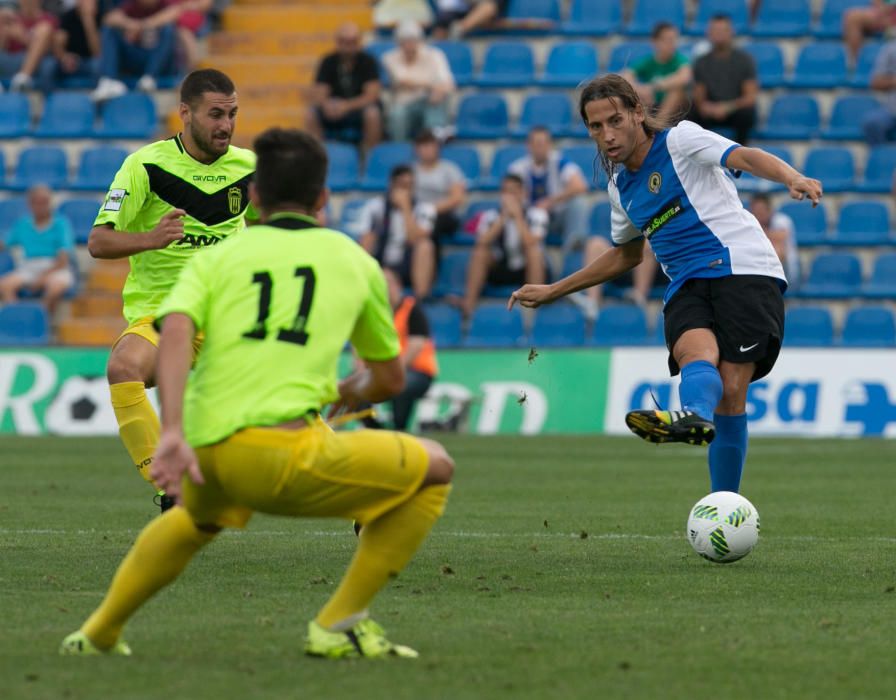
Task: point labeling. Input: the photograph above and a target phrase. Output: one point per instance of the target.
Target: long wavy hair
(613, 86)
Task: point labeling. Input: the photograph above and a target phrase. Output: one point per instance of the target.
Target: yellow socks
(138, 423)
(158, 556)
(386, 546)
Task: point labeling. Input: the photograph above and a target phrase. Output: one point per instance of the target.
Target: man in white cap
(421, 84)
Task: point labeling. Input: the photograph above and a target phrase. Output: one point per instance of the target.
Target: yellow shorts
(311, 472)
(145, 329)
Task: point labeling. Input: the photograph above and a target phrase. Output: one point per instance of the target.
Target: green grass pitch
(560, 571)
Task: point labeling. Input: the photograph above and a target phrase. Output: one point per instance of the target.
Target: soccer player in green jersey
(170, 200)
(243, 433)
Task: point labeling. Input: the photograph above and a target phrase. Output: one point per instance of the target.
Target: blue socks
(727, 452)
(701, 388)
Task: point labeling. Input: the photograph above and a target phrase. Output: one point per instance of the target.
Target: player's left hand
(174, 458)
(803, 187)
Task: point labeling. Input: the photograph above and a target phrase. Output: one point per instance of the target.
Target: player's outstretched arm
(609, 265)
(107, 243)
(769, 167)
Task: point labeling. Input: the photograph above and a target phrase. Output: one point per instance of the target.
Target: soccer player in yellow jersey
(243, 433)
(169, 201)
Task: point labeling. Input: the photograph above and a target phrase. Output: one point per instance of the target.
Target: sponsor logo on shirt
(654, 182)
(209, 178)
(191, 240)
(668, 212)
(114, 200)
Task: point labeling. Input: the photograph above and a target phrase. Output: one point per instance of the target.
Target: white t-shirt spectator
(373, 218)
(545, 180)
(429, 68)
(508, 247)
(782, 222)
(434, 184)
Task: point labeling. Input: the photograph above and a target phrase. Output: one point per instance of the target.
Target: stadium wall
(818, 392)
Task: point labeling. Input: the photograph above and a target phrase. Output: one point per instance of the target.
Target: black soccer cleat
(671, 426)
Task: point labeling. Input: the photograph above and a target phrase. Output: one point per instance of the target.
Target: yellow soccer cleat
(77, 644)
(365, 639)
(671, 426)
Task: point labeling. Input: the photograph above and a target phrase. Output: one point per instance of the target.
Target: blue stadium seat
(845, 123)
(460, 58)
(783, 18)
(658, 334)
(452, 274)
(10, 210)
(444, 324)
(834, 166)
(879, 170)
(569, 63)
(131, 116)
(586, 158)
(377, 49)
(501, 161)
(24, 323)
(593, 18)
(706, 9)
(648, 12)
(466, 158)
(833, 276)
(66, 115)
(861, 75)
(627, 53)
(493, 326)
(2, 170)
(792, 117)
(869, 327)
(810, 223)
(507, 64)
(482, 116)
(862, 223)
(7, 264)
(830, 23)
(769, 61)
(808, 326)
(15, 115)
(882, 284)
(350, 217)
(747, 182)
(45, 165)
(548, 109)
(547, 10)
(97, 168)
(820, 66)
(343, 170)
(620, 325)
(558, 325)
(599, 223)
(571, 262)
(81, 213)
(380, 161)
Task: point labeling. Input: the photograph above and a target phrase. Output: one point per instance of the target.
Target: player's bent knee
(441, 466)
(120, 369)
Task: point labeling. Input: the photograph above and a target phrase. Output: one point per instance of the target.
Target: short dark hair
(400, 170)
(291, 168)
(761, 197)
(426, 136)
(720, 17)
(513, 177)
(540, 128)
(659, 28)
(199, 82)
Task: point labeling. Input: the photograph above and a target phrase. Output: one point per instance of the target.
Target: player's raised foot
(671, 426)
(163, 501)
(77, 644)
(366, 639)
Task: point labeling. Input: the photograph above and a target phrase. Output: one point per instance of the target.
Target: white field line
(457, 534)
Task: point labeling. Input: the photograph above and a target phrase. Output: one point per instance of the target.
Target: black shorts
(500, 275)
(746, 313)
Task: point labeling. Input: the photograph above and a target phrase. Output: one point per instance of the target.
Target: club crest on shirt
(235, 200)
(654, 182)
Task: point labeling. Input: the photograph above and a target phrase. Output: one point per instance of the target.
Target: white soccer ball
(723, 527)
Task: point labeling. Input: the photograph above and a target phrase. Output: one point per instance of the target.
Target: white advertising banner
(820, 392)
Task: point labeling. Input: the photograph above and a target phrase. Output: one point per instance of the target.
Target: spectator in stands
(440, 183)
(345, 98)
(457, 18)
(858, 22)
(418, 352)
(879, 125)
(509, 246)
(76, 44)
(138, 36)
(190, 19)
(555, 185)
(26, 39)
(725, 85)
(662, 79)
(398, 232)
(781, 232)
(421, 84)
(46, 245)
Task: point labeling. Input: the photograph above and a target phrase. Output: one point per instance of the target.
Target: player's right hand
(803, 187)
(169, 229)
(531, 296)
